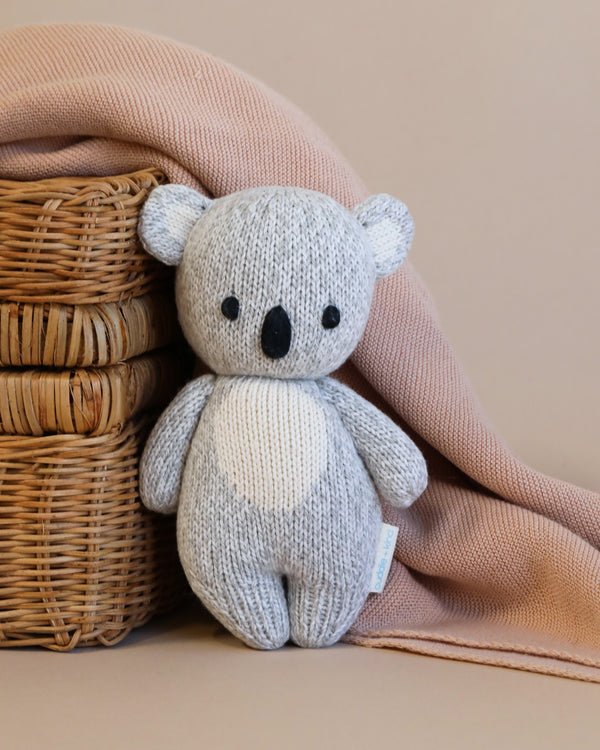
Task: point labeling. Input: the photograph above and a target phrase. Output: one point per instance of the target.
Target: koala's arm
(165, 453)
(396, 465)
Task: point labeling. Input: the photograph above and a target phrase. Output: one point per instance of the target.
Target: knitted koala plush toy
(273, 467)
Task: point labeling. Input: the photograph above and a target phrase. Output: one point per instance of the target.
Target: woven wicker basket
(81, 561)
(76, 287)
(94, 400)
(84, 335)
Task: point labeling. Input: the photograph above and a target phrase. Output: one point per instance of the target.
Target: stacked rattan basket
(90, 351)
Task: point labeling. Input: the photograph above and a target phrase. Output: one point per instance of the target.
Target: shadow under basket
(82, 562)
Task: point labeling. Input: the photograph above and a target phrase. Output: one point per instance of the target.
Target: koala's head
(274, 281)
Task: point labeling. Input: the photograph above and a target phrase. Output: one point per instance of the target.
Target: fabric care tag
(385, 554)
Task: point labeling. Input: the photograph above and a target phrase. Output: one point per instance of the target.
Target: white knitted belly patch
(271, 442)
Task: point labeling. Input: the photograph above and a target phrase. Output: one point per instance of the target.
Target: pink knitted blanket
(495, 563)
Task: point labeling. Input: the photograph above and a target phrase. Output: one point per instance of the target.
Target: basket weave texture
(83, 335)
(92, 400)
(73, 240)
(76, 287)
(82, 562)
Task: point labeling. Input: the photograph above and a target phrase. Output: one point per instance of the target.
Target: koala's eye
(230, 307)
(331, 317)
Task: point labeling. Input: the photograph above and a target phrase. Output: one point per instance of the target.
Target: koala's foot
(320, 614)
(252, 606)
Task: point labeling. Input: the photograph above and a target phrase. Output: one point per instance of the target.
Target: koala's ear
(167, 218)
(390, 228)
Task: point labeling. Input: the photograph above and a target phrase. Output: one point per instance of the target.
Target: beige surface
(484, 118)
(185, 683)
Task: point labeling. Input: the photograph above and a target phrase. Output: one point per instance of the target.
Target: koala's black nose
(276, 334)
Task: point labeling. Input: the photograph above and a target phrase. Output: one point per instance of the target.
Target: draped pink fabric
(495, 563)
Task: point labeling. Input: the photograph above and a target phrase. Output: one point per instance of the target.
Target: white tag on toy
(385, 554)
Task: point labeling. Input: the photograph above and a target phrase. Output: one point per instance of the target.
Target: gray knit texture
(274, 468)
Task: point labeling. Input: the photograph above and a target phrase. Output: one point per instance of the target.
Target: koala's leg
(250, 604)
(321, 612)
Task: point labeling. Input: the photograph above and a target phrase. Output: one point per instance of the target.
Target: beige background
(484, 117)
